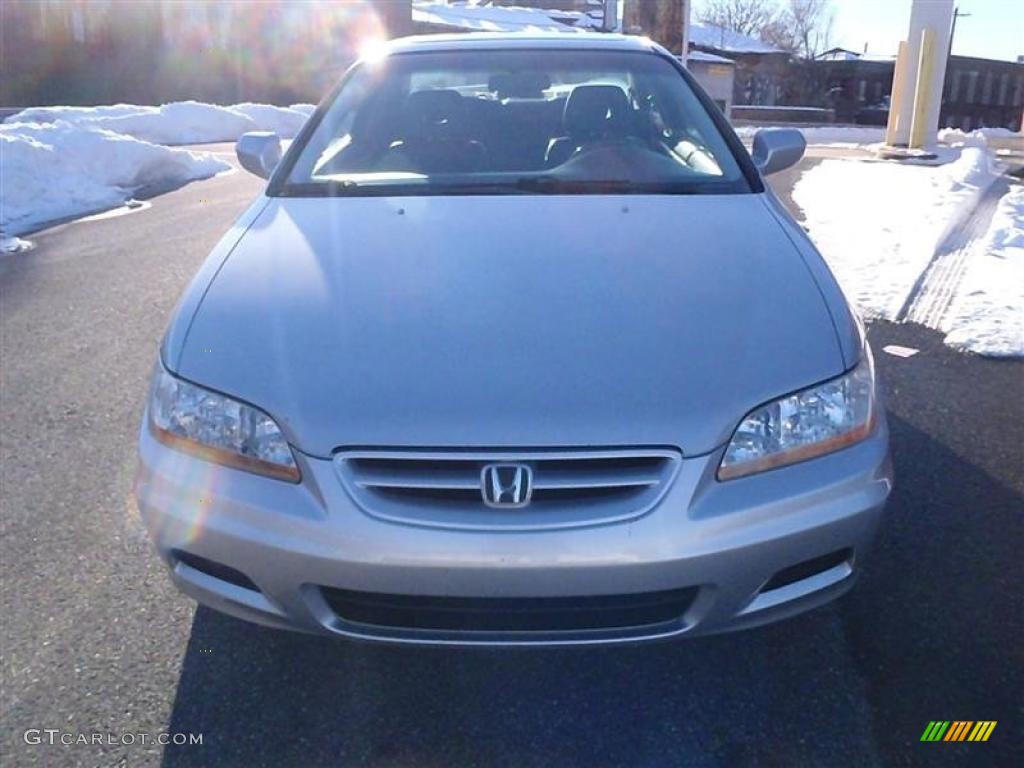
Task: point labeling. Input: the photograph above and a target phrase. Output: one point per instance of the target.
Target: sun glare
(373, 50)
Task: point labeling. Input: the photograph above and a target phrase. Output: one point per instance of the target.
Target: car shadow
(854, 683)
(934, 624)
(262, 697)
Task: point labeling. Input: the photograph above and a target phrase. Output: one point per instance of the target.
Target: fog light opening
(214, 570)
(808, 568)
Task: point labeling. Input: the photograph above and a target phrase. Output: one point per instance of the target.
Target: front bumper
(723, 546)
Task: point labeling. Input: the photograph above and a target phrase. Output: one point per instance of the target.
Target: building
(977, 92)
(716, 74)
(762, 72)
(856, 86)
(982, 93)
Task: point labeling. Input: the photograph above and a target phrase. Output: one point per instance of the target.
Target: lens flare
(186, 489)
(278, 51)
(373, 50)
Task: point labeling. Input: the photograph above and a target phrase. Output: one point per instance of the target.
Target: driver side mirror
(776, 149)
(259, 152)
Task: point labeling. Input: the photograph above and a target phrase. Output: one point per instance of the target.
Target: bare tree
(748, 17)
(779, 32)
(803, 27)
(810, 24)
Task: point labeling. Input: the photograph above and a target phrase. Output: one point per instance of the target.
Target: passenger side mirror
(776, 149)
(259, 152)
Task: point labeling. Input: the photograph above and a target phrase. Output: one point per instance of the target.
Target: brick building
(977, 92)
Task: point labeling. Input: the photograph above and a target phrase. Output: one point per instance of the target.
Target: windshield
(523, 121)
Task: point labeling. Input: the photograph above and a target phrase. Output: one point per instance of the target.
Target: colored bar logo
(958, 730)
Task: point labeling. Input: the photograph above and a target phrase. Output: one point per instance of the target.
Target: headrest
(433, 111)
(522, 85)
(596, 109)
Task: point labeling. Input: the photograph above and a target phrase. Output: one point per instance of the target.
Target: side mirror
(259, 152)
(776, 149)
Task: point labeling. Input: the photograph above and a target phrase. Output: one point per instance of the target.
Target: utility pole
(685, 14)
(952, 30)
(664, 21)
(949, 52)
(610, 16)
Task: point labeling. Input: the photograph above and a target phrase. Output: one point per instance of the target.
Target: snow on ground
(878, 224)
(987, 314)
(957, 138)
(284, 121)
(63, 162)
(13, 244)
(829, 135)
(180, 122)
(73, 114)
(60, 170)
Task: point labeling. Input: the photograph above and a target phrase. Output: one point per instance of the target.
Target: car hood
(501, 321)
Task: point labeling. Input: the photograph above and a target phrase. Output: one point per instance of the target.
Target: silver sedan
(516, 348)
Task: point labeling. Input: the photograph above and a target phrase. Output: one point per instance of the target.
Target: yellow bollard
(919, 119)
(899, 78)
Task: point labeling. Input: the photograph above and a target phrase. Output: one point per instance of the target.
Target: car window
(523, 121)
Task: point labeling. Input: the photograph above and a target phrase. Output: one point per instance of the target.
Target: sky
(994, 30)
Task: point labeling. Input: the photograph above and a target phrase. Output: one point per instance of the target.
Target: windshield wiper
(523, 185)
(555, 185)
(331, 188)
(341, 186)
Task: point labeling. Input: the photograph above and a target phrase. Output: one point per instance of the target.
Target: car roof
(520, 40)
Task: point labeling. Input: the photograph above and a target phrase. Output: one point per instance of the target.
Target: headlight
(810, 423)
(217, 428)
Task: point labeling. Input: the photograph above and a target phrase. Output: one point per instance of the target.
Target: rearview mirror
(259, 152)
(776, 149)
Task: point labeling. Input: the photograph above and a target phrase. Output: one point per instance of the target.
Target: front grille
(569, 488)
(504, 614)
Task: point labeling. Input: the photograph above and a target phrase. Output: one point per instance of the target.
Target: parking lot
(95, 639)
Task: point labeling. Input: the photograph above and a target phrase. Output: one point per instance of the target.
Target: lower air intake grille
(540, 614)
(566, 488)
(216, 570)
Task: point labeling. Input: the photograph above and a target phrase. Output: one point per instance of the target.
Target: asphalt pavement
(94, 638)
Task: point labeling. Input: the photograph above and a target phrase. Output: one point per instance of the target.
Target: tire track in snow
(932, 294)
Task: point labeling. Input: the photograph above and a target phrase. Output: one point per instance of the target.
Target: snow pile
(60, 170)
(62, 162)
(980, 137)
(180, 122)
(987, 314)
(74, 114)
(878, 224)
(284, 121)
(828, 135)
(13, 245)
